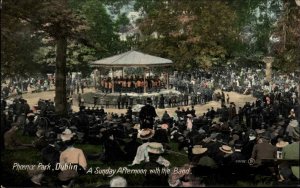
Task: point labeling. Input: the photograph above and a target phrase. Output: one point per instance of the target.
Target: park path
(238, 99)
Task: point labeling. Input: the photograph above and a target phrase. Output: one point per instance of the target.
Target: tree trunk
(60, 77)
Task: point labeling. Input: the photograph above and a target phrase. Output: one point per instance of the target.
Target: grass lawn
(15, 178)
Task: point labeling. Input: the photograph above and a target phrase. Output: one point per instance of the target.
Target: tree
(288, 34)
(55, 20)
(17, 46)
(191, 33)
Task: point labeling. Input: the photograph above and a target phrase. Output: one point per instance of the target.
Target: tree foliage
(287, 50)
(191, 33)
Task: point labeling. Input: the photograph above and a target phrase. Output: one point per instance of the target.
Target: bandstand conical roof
(132, 59)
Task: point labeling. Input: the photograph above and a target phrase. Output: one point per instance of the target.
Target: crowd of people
(222, 145)
(134, 84)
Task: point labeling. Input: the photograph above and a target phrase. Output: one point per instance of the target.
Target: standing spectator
(82, 85)
(227, 98)
(162, 101)
(147, 115)
(77, 87)
(79, 100)
(119, 100)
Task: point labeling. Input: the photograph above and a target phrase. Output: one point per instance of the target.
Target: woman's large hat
(198, 149)
(67, 135)
(281, 144)
(145, 134)
(226, 149)
(155, 148)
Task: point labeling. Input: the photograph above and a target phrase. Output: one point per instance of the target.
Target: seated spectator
(131, 147)
(72, 160)
(11, 141)
(187, 178)
(290, 152)
(155, 161)
(30, 127)
(113, 151)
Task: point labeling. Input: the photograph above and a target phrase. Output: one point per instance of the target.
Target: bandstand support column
(112, 81)
(167, 80)
(144, 79)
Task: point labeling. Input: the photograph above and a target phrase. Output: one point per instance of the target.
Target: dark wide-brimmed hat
(149, 100)
(145, 134)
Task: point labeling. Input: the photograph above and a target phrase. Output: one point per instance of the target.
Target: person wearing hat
(131, 147)
(147, 115)
(189, 122)
(222, 157)
(129, 113)
(145, 134)
(50, 156)
(263, 150)
(192, 172)
(156, 161)
(291, 152)
(291, 126)
(249, 143)
(165, 117)
(30, 127)
(280, 145)
(112, 149)
(71, 156)
(238, 162)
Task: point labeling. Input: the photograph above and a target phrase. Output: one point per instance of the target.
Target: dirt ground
(239, 100)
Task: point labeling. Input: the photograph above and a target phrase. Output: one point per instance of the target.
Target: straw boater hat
(198, 149)
(67, 135)
(145, 134)
(189, 115)
(281, 144)
(155, 148)
(226, 149)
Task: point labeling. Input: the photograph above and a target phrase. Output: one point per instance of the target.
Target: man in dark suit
(263, 150)
(147, 115)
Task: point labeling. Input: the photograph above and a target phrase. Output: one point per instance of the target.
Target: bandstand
(133, 59)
